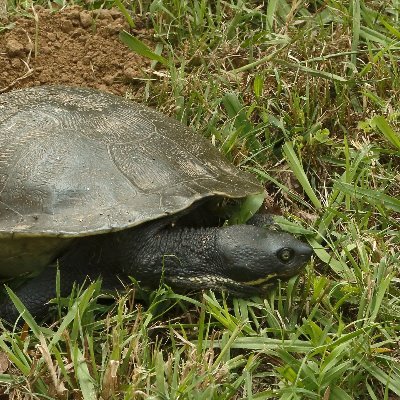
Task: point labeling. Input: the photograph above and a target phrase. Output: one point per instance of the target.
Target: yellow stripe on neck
(259, 281)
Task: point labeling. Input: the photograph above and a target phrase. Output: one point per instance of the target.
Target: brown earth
(72, 46)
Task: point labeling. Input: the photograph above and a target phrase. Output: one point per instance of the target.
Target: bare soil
(72, 46)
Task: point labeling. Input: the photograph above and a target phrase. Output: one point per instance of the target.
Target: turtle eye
(285, 254)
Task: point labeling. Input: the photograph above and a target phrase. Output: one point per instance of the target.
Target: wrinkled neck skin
(178, 255)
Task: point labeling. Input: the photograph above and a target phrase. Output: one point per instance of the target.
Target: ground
(72, 46)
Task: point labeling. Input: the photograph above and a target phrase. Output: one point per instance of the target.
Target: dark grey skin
(238, 258)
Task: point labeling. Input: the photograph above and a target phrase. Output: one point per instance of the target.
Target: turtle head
(243, 259)
(252, 256)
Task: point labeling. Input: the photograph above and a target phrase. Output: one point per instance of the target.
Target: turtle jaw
(217, 282)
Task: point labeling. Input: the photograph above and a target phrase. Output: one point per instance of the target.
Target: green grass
(307, 98)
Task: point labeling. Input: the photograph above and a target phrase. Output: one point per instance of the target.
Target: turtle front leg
(35, 295)
(82, 263)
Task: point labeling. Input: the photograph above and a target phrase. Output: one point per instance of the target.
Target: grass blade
(383, 126)
(140, 48)
(26, 315)
(298, 170)
(369, 196)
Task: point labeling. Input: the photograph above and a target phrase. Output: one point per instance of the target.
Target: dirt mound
(72, 46)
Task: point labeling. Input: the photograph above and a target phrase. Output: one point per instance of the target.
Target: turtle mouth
(217, 282)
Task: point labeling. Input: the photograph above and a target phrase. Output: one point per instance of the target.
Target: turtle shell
(76, 162)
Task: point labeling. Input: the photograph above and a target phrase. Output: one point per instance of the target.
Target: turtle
(95, 185)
